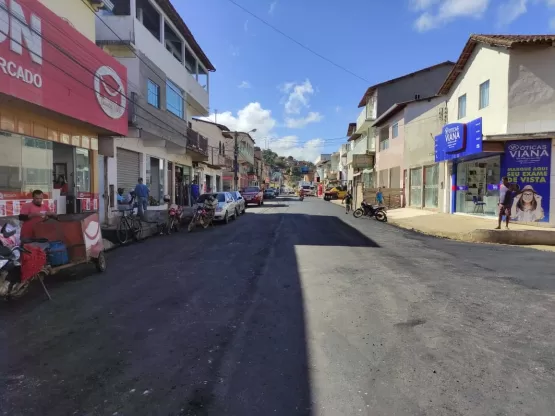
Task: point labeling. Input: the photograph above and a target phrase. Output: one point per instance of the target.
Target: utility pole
(236, 162)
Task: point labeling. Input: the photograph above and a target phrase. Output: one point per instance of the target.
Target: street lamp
(228, 134)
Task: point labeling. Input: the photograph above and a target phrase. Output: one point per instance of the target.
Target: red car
(253, 195)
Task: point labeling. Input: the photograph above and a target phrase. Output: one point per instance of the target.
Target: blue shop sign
(459, 140)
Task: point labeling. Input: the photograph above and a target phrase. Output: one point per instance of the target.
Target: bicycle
(129, 227)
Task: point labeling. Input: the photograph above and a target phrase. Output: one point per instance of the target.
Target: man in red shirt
(33, 212)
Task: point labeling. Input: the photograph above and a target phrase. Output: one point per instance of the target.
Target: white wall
(486, 63)
(531, 91)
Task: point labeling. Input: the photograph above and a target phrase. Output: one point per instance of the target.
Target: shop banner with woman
(527, 164)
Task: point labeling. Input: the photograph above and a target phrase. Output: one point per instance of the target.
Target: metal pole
(236, 163)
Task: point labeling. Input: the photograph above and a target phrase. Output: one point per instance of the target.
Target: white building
(501, 110)
(168, 83)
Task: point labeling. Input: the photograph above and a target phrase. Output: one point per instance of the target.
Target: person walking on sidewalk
(505, 202)
(348, 200)
(141, 193)
(379, 197)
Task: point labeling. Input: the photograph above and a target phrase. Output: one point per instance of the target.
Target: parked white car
(226, 208)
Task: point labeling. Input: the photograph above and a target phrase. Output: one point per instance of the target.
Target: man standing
(379, 197)
(504, 210)
(33, 212)
(348, 200)
(141, 193)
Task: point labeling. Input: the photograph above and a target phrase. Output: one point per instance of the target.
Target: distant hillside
(288, 166)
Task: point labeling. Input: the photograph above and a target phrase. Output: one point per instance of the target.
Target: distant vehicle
(253, 195)
(269, 194)
(338, 192)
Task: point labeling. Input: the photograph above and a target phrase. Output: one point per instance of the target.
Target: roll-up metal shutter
(128, 169)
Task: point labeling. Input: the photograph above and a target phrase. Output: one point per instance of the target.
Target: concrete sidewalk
(470, 228)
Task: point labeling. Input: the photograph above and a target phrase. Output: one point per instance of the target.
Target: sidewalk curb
(503, 237)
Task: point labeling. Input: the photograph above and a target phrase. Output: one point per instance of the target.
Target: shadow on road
(209, 323)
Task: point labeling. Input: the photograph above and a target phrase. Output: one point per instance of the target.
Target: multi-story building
(376, 100)
(322, 164)
(245, 158)
(60, 93)
(406, 154)
(501, 107)
(168, 85)
(219, 157)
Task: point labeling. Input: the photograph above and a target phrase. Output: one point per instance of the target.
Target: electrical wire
(312, 51)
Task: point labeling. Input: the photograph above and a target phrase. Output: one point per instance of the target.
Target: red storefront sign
(45, 61)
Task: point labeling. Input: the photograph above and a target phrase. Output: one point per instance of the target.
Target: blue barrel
(57, 253)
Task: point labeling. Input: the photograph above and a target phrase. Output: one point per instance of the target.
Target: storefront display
(478, 169)
(527, 164)
(61, 171)
(477, 189)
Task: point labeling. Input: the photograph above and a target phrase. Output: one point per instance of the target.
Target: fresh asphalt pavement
(294, 309)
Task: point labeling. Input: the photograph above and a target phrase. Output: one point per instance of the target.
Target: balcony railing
(196, 142)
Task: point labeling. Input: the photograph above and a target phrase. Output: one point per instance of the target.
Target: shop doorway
(182, 185)
(71, 178)
(208, 183)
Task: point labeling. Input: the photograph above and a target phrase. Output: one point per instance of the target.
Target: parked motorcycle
(201, 216)
(175, 217)
(367, 210)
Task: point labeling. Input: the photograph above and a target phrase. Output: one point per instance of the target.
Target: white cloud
(300, 122)
(338, 109)
(246, 26)
(446, 11)
(244, 84)
(297, 96)
(510, 11)
(292, 146)
(272, 7)
(252, 116)
(419, 5)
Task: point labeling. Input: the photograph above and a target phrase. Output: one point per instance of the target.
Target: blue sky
(300, 104)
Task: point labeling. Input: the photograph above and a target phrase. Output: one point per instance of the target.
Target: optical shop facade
(477, 167)
(54, 89)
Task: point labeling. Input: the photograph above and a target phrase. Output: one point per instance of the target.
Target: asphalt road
(294, 309)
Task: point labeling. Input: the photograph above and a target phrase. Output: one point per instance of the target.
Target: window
(484, 94)
(395, 130)
(462, 107)
(174, 99)
(153, 94)
(384, 138)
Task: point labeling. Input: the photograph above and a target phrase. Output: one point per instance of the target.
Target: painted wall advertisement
(528, 165)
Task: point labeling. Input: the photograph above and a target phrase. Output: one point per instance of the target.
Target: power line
(312, 51)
